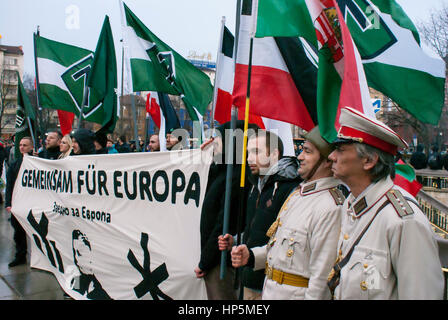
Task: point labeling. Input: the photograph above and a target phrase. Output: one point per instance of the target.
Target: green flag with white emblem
(24, 117)
(154, 66)
(63, 72)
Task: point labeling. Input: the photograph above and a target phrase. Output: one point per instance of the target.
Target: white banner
(120, 226)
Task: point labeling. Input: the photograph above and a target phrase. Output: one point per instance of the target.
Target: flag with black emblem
(283, 75)
(63, 72)
(159, 106)
(387, 40)
(24, 117)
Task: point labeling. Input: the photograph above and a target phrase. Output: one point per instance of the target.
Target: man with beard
(273, 177)
(212, 214)
(302, 246)
(52, 143)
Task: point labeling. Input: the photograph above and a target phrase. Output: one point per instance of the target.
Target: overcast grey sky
(186, 26)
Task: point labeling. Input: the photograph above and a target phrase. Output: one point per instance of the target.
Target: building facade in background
(11, 61)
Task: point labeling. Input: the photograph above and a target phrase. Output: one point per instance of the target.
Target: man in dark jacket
(418, 158)
(123, 146)
(435, 159)
(83, 142)
(273, 177)
(212, 216)
(52, 143)
(25, 147)
(100, 142)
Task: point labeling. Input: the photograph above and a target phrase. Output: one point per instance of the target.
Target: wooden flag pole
(246, 117)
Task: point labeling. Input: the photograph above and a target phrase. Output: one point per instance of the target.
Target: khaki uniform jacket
(397, 258)
(305, 241)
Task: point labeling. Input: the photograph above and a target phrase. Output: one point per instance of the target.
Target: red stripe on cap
(369, 139)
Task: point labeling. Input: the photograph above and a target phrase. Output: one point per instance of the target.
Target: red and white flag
(159, 106)
(338, 56)
(225, 78)
(273, 91)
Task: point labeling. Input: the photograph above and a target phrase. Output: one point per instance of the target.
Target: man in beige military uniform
(386, 248)
(299, 254)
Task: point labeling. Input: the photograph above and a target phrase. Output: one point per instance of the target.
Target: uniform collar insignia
(309, 187)
(360, 205)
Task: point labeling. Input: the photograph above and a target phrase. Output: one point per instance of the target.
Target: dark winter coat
(124, 148)
(50, 153)
(435, 161)
(85, 138)
(102, 151)
(212, 214)
(263, 209)
(11, 177)
(3, 157)
(418, 159)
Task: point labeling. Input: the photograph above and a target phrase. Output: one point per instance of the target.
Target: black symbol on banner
(151, 279)
(42, 230)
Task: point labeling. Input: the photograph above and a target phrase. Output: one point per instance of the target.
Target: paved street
(22, 282)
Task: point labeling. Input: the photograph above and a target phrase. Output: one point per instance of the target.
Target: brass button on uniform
(289, 253)
(363, 286)
(346, 236)
(366, 265)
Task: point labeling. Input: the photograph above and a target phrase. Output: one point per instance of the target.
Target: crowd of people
(327, 224)
(435, 160)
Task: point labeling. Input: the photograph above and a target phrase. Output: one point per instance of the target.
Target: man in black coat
(83, 142)
(52, 143)
(418, 158)
(25, 147)
(212, 215)
(100, 142)
(123, 146)
(273, 177)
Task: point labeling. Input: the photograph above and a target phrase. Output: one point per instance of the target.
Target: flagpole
(31, 131)
(146, 131)
(218, 58)
(234, 116)
(246, 116)
(134, 118)
(36, 68)
(84, 102)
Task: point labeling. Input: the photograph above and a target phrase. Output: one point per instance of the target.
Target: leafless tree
(434, 31)
(8, 79)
